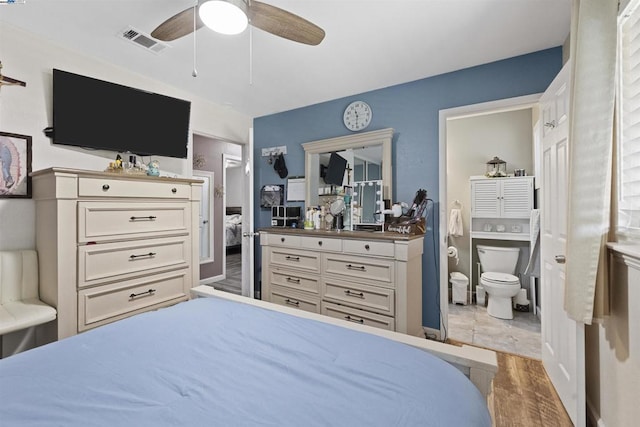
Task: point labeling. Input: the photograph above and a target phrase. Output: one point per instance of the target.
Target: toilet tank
(498, 259)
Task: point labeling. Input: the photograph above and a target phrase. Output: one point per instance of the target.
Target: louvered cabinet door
(485, 199)
(516, 198)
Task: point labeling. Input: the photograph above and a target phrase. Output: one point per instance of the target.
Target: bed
(221, 361)
(233, 227)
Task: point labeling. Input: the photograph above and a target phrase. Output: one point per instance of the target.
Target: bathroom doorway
(471, 136)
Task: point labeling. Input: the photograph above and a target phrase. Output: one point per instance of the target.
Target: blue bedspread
(211, 362)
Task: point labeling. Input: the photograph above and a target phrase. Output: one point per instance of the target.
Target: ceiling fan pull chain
(250, 56)
(194, 73)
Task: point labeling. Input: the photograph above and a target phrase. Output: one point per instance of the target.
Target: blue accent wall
(412, 110)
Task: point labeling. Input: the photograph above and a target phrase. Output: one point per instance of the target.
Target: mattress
(215, 362)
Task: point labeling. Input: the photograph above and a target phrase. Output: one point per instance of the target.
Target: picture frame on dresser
(15, 165)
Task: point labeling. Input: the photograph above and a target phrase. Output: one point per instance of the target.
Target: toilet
(498, 266)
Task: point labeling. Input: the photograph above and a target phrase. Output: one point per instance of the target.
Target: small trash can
(459, 288)
(480, 294)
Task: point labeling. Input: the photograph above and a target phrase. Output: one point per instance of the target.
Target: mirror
(368, 157)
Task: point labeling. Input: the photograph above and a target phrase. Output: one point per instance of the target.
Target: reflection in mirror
(366, 204)
(368, 158)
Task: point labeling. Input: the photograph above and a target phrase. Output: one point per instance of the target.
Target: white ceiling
(369, 44)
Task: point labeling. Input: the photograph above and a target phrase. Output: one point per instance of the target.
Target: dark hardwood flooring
(522, 394)
(233, 281)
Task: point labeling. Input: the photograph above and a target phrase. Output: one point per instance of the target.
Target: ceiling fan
(233, 16)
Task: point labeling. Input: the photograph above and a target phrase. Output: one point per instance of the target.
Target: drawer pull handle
(292, 258)
(105, 187)
(354, 319)
(367, 247)
(292, 302)
(293, 280)
(319, 242)
(356, 267)
(150, 254)
(350, 293)
(149, 292)
(138, 218)
(174, 190)
(282, 239)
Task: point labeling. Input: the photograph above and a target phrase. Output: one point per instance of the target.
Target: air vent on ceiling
(143, 40)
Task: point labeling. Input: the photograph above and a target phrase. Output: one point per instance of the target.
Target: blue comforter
(211, 362)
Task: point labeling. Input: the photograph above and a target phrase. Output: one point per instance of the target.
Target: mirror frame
(382, 137)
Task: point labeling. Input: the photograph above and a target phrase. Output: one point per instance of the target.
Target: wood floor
(522, 394)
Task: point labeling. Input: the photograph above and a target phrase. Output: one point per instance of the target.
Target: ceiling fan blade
(284, 24)
(177, 26)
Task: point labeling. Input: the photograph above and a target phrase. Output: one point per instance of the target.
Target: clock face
(357, 115)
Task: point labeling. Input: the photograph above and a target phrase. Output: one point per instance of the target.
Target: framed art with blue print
(15, 165)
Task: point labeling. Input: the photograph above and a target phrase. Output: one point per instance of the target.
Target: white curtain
(593, 52)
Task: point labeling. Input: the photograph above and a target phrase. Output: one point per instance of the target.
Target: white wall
(28, 110)
(471, 142)
(612, 351)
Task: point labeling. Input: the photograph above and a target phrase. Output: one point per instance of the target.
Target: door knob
(560, 259)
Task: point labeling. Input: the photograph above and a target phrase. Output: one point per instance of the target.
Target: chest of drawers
(111, 245)
(371, 279)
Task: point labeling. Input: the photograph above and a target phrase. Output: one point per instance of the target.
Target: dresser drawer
(304, 260)
(104, 304)
(98, 221)
(290, 298)
(358, 316)
(295, 280)
(116, 261)
(379, 270)
(369, 247)
(321, 243)
(280, 240)
(153, 188)
(372, 298)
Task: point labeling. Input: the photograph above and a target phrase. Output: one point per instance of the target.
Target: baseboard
(432, 334)
(592, 416)
(210, 280)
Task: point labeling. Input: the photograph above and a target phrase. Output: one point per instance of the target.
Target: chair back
(18, 275)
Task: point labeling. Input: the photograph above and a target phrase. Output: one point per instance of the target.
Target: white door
(562, 338)
(248, 247)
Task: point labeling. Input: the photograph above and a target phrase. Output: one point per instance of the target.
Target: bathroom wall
(471, 142)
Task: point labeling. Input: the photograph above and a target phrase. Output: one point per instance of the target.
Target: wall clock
(357, 115)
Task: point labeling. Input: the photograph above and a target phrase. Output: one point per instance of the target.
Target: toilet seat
(500, 278)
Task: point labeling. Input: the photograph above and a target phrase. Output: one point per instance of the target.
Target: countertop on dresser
(117, 175)
(343, 234)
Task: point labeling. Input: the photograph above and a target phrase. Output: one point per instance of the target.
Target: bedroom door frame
(248, 233)
(227, 158)
(502, 105)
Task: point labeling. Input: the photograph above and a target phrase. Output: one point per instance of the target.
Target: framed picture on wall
(15, 165)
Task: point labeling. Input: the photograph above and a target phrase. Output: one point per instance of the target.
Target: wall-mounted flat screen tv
(96, 114)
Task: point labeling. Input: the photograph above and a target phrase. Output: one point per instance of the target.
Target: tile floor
(471, 324)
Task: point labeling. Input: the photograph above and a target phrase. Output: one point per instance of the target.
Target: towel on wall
(455, 223)
(533, 268)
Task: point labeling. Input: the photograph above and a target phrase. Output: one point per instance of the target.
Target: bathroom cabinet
(501, 207)
(500, 210)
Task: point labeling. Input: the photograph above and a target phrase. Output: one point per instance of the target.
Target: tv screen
(96, 114)
(334, 174)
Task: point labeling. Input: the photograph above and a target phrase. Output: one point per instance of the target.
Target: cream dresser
(373, 279)
(113, 245)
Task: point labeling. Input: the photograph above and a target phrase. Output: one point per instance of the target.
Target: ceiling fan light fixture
(224, 16)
